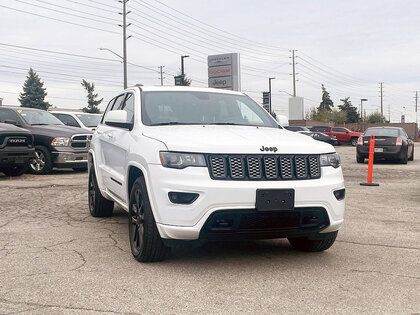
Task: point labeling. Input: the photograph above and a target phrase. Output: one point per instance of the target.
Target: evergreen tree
(350, 110)
(186, 81)
(33, 94)
(93, 103)
(326, 103)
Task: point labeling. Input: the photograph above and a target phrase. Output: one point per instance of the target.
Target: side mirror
(117, 118)
(12, 122)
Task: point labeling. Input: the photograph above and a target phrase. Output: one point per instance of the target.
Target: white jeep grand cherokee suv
(198, 164)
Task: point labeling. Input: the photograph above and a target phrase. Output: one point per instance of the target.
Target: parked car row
(37, 140)
(341, 134)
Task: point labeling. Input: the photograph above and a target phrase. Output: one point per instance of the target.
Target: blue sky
(350, 46)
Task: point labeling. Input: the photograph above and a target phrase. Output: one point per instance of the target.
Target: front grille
(16, 141)
(80, 141)
(263, 167)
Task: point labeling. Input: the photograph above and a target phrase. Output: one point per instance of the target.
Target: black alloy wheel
(136, 223)
(145, 241)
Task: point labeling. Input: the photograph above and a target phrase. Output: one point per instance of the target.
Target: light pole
(281, 91)
(361, 107)
(123, 60)
(182, 64)
(269, 91)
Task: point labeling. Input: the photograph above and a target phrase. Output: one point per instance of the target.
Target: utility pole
(294, 72)
(382, 99)
(269, 91)
(161, 74)
(124, 27)
(416, 98)
(389, 112)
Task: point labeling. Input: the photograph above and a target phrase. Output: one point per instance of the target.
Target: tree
(33, 94)
(350, 110)
(326, 102)
(375, 117)
(185, 80)
(338, 116)
(91, 97)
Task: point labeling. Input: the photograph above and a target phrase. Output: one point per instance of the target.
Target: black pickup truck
(16, 149)
(56, 145)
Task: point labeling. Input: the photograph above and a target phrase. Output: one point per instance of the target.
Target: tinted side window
(119, 101)
(108, 108)
(128, 106)
(339, 130)
(68, 120)
(7, 114)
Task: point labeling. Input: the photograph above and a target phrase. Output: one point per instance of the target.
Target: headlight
(60, 142)
(332, 159)
(181, 160)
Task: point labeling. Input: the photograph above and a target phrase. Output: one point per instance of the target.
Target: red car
(342, 134)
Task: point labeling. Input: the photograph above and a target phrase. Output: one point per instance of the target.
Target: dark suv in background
(56, 145)
(16, 149)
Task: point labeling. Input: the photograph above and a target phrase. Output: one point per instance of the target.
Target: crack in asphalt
(40, 305)
(380, 245)
(385, 274)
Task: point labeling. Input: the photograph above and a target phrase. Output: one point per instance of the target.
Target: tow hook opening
(340, 194)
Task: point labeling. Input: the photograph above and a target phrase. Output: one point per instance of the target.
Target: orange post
(370, 163)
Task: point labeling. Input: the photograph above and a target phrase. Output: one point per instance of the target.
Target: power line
(59, 20)
(62, 12)
(243, 39)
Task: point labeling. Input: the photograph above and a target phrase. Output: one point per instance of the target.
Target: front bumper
(66, 159)
(185, 222)
(12, 156)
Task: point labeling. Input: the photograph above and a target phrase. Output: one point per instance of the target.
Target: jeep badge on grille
(273, 149)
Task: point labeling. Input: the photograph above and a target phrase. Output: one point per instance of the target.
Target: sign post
(224, 71)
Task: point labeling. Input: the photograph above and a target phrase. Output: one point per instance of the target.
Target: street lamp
(182, 64)
(124, 63)
(269, 90)
(361, 107)
(281, 91)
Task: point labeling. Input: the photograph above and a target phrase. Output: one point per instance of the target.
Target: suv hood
(234, 139)
(57, 130)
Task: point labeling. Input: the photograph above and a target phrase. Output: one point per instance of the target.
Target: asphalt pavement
(56, 259)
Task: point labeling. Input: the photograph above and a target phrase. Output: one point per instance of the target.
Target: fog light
(340, 194)
(182, 198)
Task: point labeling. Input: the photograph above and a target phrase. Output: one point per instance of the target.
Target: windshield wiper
(39, 124)
(168, 123)
(226, 123)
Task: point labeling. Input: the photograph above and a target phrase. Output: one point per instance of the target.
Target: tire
(404, 160)
(98, 205)
(411, 158)
(15, 170)
(80, 169)
(306, 245)
(42, 163)
(360, 158)
(145, 241)
(353, 141)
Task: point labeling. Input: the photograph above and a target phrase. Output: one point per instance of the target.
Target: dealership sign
(224, 71)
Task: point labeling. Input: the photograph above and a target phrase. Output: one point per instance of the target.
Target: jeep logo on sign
(272, 149)
(17, 140)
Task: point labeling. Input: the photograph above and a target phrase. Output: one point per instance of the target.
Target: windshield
(39, 117)
(89, 120)
(189, 108)
(386, 132)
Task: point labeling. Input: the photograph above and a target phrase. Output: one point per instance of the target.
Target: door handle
(110, 136)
